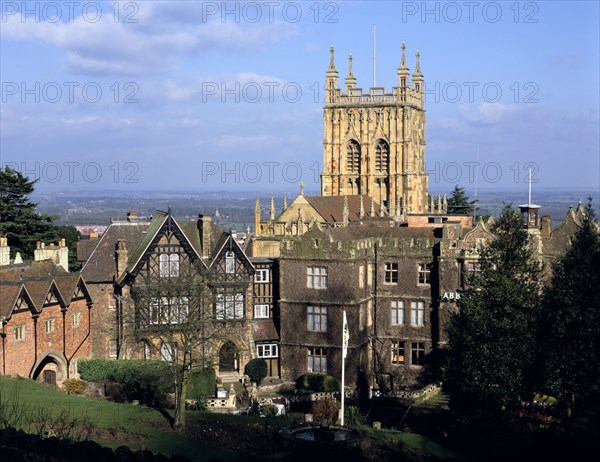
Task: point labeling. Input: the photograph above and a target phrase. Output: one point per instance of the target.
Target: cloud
(151, 45)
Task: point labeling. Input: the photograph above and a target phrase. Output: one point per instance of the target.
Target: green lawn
(139, 425)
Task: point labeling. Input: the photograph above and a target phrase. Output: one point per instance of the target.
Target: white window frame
(76, 319)
(417, 313)
(262, 311)
(316, 277)
(397, 312)
(112, 349)
(424, 272)
(49, 325)
(262, 276)
(391, 272)
(165, 310)
(267, 350)
(230, 262)
(168, 352)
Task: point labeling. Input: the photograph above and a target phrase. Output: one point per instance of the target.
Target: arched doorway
(229, 358)
(51, 368)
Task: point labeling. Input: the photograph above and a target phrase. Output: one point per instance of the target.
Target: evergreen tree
(458, 202)
(570, 319)
(19, 221)
(491, 341)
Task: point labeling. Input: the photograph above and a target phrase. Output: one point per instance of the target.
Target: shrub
(326, 409)
(256, 369)
(202, 383)
(144, 380)
(74, 386)
(315, 383)
(268, 410)
(353, 417)
(254, 408)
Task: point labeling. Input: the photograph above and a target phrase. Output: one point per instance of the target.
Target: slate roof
(331, 208)
(101, 265)
(352, 232)
(9, 293)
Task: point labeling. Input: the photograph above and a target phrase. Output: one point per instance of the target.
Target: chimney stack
(122, 256)
(4, 251)
(204, 225)
(132, 215)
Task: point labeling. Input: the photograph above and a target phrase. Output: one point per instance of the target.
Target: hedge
(202, 383)
(315, 383)
(144, 380)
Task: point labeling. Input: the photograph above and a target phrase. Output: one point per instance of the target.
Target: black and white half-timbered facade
(182, 288)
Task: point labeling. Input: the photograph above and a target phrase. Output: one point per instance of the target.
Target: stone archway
(50, 368)
(229, 358)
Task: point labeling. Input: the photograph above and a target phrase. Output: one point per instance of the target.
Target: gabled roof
(39, 290)
(228, 240)
(160, 221)
(10, 292)
(101, 264)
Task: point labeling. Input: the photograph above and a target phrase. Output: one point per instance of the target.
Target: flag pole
(345, 338)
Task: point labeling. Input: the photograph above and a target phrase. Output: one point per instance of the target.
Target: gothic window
(353, 157)
(168, 265)
(382, 157)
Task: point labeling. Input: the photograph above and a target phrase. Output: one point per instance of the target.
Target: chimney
(204, 225)
(546, 226)
(59, 254)
(122, 256)
(132, 215)
(4, 252)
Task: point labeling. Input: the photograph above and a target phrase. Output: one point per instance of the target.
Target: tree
(19, 221)
(570, 319)
(491, 341)
(174, 314)
(458, 202)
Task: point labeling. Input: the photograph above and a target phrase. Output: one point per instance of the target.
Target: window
(165, 310)
(473, 266)
(20, 333)
(316, 277)
(168, 352)
(230, 262)
(147, 351)
(267, 350)
(76, 319)
(391, 273)
(417, 353)
(261, 275)
(229, 306)
(316, 318)
(112, 349)
(168, 265)
(49, 326)
(417, 313)
(397, 313)
(361, 276)
(261, 311)
(397, 352)
(353, 157)
(381, 157)
(317, 360)
(424, 273)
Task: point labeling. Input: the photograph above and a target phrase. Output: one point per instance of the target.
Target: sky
(228, 96)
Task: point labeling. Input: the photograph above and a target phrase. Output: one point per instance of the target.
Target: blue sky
(205, 96)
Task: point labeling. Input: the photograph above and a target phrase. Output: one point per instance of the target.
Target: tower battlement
(374, 143)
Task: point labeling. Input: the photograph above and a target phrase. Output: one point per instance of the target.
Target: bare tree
(174, 312)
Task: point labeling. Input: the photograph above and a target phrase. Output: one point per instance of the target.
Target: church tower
(374, 143)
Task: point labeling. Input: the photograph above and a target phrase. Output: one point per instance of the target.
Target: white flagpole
(345, 338)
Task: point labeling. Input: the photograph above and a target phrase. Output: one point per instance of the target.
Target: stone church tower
(374, 143)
